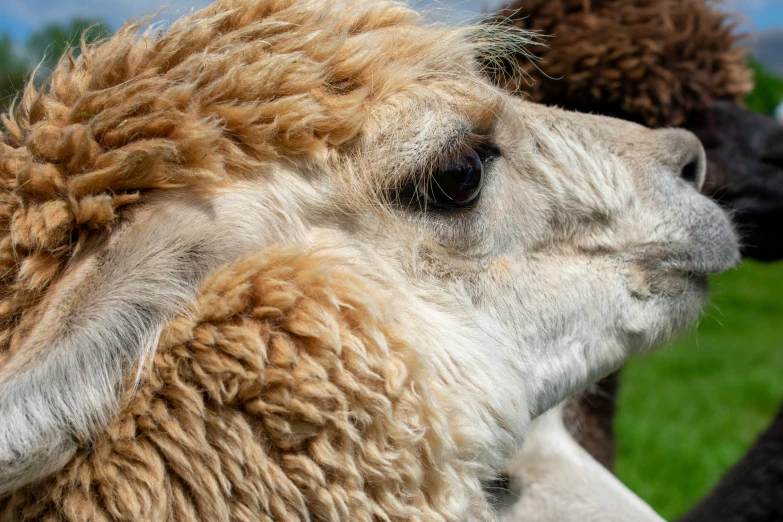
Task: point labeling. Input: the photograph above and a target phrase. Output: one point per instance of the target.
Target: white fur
(553, 479)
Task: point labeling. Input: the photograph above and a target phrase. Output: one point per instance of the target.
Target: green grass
(768, 91)
(689, 411)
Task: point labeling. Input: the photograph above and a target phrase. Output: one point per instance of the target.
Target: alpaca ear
(100, 322)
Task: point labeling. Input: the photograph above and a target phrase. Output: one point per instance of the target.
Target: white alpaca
(533, 249)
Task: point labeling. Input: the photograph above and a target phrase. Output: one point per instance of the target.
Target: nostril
(691, 173)
(683, 156)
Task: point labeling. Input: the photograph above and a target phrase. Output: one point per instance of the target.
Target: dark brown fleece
(590, 419)
(651, 61)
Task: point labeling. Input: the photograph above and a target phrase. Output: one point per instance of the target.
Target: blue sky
(763, 15)
(20, 17)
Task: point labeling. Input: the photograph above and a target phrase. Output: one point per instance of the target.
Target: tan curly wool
(655, 62)
(289, 392)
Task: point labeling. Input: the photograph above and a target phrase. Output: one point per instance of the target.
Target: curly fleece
(656, 62)
(288, 392)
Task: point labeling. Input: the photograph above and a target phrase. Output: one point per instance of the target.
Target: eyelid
(404, 182)
(480, 142)
(407, 192)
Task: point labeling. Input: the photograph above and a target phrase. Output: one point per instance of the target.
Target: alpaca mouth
(674, 269)
(709, 246)
(711, 260)
(690, 260)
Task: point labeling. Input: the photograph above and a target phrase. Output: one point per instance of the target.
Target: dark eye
(459, 184)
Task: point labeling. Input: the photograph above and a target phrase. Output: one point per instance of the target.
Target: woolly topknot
(656, 62)
(220, 93)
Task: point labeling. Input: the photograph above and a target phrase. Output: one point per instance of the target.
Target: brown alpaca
(657, 62)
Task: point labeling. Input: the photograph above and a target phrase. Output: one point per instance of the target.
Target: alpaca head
(532, 249)
(665, 63)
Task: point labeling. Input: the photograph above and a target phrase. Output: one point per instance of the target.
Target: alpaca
(301, 259)
(659, 63)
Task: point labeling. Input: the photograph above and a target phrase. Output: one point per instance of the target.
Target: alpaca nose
(685, 156)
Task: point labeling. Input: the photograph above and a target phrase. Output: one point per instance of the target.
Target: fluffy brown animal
(287, 393)
(656, 62)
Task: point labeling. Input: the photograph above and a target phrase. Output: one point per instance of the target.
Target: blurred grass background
(687, 412)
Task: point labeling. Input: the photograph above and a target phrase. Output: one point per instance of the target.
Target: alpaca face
(532, 249)
(587, 241)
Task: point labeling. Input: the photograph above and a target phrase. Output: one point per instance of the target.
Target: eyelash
(470, 141)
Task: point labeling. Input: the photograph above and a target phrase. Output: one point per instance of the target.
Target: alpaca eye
(458, 185)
